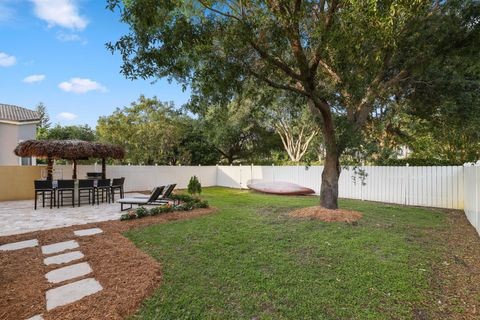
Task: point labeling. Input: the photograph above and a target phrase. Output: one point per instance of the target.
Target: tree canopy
(345, 57)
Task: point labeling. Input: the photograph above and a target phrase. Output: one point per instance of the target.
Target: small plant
(129, 215)
(141, 212)
(194, 186)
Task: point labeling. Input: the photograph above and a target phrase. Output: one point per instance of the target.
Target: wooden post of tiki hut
(49, 168)
(74, 175)
(104, 169)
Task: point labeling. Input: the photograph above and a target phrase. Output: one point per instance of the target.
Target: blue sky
(53, 51)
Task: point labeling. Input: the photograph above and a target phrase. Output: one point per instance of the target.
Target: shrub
(203, 204)
(141, 212)
(194, 186)
(129, 215)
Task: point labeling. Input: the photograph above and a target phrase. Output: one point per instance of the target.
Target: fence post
(477, 216)
(361, 180)
(240, 174)
(407, 183)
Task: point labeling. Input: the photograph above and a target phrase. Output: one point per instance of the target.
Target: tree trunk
(331, 169)
(330, 175)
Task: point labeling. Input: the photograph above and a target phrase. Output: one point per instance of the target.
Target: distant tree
(293, 124)
(78, 132)
(236, 131)
(344, 57)
(196, 142)
(44, 124)
(151, 132)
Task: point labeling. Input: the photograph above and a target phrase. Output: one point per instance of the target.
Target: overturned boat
(278, 187)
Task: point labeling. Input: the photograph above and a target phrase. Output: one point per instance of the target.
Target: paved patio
(19, 216)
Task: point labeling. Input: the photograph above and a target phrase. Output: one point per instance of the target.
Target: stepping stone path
(59, 247)
(19, 245)
(70, 292)
(87, 232)
(63, 258)
(68, 273)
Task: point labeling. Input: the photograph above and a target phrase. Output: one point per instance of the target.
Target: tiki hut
(69, 150)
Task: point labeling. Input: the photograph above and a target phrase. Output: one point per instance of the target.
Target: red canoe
(278, 187)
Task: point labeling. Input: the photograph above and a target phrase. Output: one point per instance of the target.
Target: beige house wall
(10, 135)
(16, 182)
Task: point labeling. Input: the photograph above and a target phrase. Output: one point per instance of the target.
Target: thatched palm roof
(68, 149)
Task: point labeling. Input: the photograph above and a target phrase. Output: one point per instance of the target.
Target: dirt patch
(327, 215)
(127, 274)
(457, 274)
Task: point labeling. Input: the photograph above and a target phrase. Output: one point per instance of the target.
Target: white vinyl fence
(471, 194)
(420, 186)
(453, 187)
(142, 178)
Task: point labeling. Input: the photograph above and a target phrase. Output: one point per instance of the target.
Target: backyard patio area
(250, 260)
(21, 217)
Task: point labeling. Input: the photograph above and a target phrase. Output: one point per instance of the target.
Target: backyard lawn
(251, 261)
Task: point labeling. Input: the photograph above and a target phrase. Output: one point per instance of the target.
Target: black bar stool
(42, 188)
(117, 184)
(86, 189)
(65, 190)
(103, 187)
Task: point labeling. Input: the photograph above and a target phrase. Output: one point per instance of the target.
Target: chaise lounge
(140, 201)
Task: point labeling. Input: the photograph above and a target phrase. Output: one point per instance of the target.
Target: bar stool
(86, 188)
(44, 187)
(65, 190)
(117, 184)
(103, 187)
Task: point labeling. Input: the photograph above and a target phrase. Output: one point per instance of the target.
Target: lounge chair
(151, 200)
(165, 197)
(146, 197)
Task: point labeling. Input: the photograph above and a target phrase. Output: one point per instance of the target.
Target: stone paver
(71, 292)
(87, 232)
(37, 317)
(63, 258)
(68, 272)
(59, 247)
(19, 245)
(19, 216)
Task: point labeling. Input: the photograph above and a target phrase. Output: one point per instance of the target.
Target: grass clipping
(327, 215)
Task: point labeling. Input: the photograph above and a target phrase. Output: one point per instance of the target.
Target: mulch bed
(457, 276)
(326, 215)
(127, 274)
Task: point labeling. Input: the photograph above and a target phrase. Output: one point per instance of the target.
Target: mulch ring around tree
(126, 274)
(327, 215)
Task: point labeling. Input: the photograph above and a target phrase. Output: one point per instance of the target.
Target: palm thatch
(68, 149)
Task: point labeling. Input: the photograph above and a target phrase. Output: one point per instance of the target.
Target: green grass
(251, 261)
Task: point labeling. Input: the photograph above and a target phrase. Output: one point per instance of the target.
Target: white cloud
(63, 13)
(34, 78)
(79, 85)
(67, 37)
(6, 60)
(66, 116)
